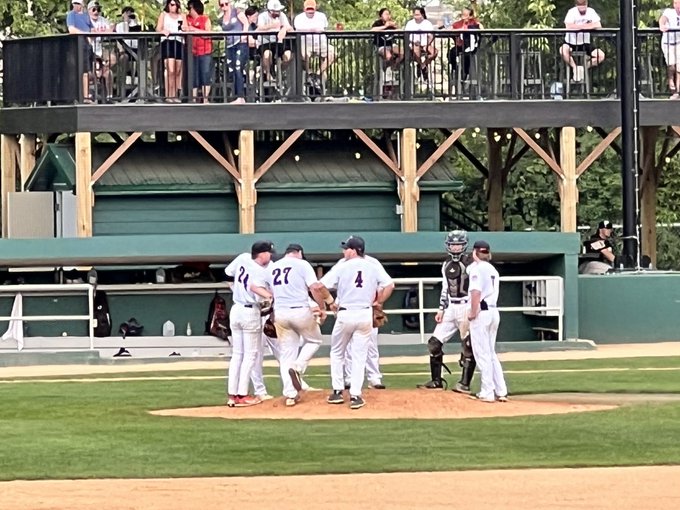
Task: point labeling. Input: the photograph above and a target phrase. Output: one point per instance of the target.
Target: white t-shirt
(264, 18)
(304, 23)
(424, 26)
(245, 272)
(357, 281)
(485, 279)
(289, 280)
(123, 28)
(576, 18)
(673, 22)
(101, 24)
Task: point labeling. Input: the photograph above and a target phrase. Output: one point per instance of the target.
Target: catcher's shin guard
(469, 366)
(436, 363)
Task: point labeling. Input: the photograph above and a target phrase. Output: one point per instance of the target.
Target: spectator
(129, 24)
(272, 46)
(312, 20)
(670, 46)
(251, 15)
(170, 21)
(582, 19)
(104, 58)
(78, 22)
(201, 49)
(385, 42)
(422, 45)
(465, 44)
(601, 249)
(235, 22)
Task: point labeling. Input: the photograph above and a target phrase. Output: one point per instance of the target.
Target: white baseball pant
(454, 315)
(353, 326)
(292, 325)
(483, 331)
(373, 375)
(257, 377)
(246, 330)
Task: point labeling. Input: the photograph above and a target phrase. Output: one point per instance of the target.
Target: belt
(342, 309)
(483, 305)
(247, 306)
(459, 301)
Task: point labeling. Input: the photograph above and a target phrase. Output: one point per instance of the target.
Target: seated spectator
(670, 46)
(422, 45)
(465, 44)
(170, 23)
(601, 249)
(312, 20)
(582, 19)
(78, 22)
(273, 45)
(104, 56)
(385, 42)
(201, 49)
(127, 48)
(127, 25)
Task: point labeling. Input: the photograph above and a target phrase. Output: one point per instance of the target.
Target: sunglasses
(224, 4)
(173, 4)
(310, 10)
(96, 9)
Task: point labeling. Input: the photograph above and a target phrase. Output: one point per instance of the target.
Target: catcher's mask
(455, 243)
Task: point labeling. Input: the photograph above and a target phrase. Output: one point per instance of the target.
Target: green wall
(630, 307)
(165, 214)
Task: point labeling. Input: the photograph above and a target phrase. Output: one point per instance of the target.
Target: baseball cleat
(480, 399)
(433, 385)
(247, 401)
(336, 397)
(264, 397)
(310, 388)
(377, 386)
(290, 402)
(231, 402)
(461, 388)
(502, 398)
(356, 403)
(295, 378)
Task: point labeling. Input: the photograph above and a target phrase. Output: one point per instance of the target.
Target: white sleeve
(595, 17)
(384, 280)
(230, 270)
(475, 279)
(258, 276)
(330, 279)
(325, 22)
(309, 275)
(570, 17)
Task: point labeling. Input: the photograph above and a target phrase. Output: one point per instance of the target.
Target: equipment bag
(411, 301)
(102, 317)
(218, 318)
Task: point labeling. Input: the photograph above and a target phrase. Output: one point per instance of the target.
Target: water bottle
(168, 328)
(188, 328)
(556, 90)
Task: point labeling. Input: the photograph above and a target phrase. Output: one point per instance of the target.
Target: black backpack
(218, 319)
(411, 301)
(102, 316)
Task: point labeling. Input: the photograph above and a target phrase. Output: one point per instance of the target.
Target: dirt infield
(385, 405)
(546, 489)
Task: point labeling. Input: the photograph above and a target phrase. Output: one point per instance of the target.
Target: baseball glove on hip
(379, 317)
(269, 329)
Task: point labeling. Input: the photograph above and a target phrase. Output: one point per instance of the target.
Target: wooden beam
(122, 149)
(676, 130)
(378, 151)
(409, 182)
(494, 184)
(248, 195)
(471, 158)
(651, 174)
(540, 151)
(439, 152)
(8, 176)
(84, 199)
(600, 131)
(597, 151)
(215, 154)
(27, 158)
(387, 135)
(277, 154)
(569, 195)
(228, 149)
(515, 159)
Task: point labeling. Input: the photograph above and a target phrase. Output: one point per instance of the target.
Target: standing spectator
(170, 22)
(104, 58)
(670, 46)
(272, 46)
(78, 22)
(582, 19)
(312, 20)
(387, 48)
(422, 45)
(466, 44)
(251, 15)
(201, 49)
(234, 21)
(484, 320)
(128, 24)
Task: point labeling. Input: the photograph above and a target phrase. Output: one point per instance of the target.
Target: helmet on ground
(456, 242)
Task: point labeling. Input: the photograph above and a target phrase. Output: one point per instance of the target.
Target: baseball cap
(127, 8)
(79, 2)
(93, 3)
(261, 247)
(310, 4)
(295, 247)
(482, 246)
(604, 224)
(275, 5)
(354, 243)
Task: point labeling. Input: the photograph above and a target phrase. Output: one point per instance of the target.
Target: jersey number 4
(277, 275)
(359, 281)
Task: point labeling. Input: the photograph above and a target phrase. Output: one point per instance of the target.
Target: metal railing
(333, 66)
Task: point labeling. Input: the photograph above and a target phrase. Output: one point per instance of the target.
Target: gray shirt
(264, 18)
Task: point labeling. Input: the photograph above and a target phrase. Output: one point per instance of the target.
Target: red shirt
(463, 24)
(201, 45)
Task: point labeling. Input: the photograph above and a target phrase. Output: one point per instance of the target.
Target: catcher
(452, 316)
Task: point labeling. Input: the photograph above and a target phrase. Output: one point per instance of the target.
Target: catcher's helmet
(456, 242)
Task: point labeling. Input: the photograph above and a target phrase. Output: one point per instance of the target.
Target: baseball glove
(269, 329)
(266, 307)
(379, 317)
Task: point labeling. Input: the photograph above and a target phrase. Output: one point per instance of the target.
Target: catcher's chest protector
(456, 277)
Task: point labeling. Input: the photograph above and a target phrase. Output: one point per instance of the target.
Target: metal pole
(628, 90)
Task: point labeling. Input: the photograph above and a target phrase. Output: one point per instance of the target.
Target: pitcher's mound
(383, 405)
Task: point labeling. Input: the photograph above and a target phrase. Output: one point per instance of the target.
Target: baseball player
(359, 284)
(257, 375)
(290, 280)
(452, 315)
(484, 320)
(247, 273)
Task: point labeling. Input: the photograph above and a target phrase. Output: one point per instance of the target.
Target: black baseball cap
(293, 247)
(262, 247)
(482, 246)
(604, 224)
(354, 243)
(127, 8)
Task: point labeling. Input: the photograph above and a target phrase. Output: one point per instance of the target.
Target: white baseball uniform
(256, 376)
(289, 280)
(483, 329)
(245, 322)
(357, 281)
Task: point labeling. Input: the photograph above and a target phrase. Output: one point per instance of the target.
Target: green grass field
(68, 429)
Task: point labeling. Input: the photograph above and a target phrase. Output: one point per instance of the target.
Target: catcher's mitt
(379, 317)
(269, 329)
